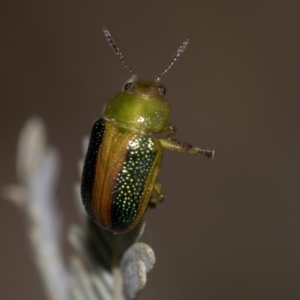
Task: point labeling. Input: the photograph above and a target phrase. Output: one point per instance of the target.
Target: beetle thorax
(141, 107)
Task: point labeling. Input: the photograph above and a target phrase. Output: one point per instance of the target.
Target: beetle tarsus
(208, 153)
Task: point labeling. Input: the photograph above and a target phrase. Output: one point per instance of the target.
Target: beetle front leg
(170, 132)
(157, 195)
(174, 145)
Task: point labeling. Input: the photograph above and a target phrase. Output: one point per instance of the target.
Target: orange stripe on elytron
(110, 161)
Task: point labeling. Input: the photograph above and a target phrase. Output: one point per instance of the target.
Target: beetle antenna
(176, 56)
(117, 51)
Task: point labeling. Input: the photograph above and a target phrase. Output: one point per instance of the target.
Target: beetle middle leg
(157, 195)
(172, 144)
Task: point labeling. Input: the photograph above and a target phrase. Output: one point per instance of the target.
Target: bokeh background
(230, 228)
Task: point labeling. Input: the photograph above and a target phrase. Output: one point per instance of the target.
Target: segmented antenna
(178, 53)
(117, 51)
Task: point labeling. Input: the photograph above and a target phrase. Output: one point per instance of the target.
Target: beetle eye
(127, 86)
(162, 89)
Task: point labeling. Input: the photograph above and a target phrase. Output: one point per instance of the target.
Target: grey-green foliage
(106, 266)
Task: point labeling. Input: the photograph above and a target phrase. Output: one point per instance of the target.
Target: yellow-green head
(140, 106)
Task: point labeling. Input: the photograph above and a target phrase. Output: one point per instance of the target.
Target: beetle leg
(157, 195)
(170, 132)
(174, 145)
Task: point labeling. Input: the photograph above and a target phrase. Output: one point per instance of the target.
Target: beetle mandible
(123, 157)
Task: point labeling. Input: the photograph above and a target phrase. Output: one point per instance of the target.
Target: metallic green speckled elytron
(123, 158)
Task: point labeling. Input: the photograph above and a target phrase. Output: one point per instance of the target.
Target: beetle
(124, 155)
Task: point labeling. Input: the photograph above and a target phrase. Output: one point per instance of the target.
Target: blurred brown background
(229, 229)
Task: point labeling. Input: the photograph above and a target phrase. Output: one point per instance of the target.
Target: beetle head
(141, 105)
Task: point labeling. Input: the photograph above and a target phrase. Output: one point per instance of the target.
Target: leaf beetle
(124, 157)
